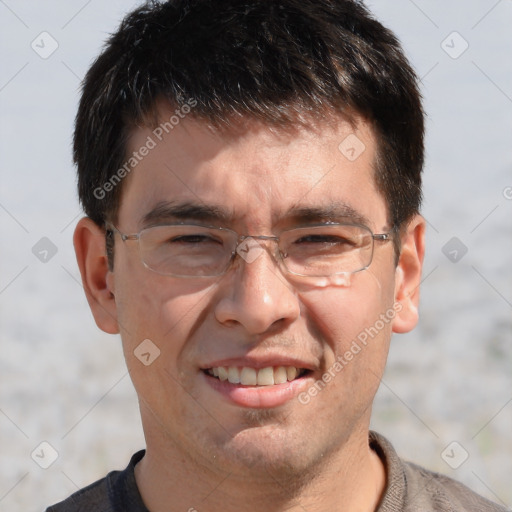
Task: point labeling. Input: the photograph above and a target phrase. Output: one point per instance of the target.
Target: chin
(268, 452)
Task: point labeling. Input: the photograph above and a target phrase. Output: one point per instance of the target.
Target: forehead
(253, 174)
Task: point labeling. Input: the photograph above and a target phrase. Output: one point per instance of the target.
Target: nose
(255, 294)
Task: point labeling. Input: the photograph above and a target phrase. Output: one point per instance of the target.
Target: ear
(408, 275)
(97, 280)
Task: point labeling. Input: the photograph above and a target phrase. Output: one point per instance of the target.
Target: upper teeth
(253, 377)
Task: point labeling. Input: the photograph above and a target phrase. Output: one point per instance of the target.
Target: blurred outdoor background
(446, 398)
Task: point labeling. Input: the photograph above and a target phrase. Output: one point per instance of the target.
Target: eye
(326, 239)
(194, 239)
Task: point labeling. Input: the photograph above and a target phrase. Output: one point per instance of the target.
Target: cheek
(158, 317)
(352, 319)
(161, 309)
(337, 313)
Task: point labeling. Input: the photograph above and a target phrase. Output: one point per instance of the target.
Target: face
(256, 316)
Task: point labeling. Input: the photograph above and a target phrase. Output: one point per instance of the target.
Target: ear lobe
(97, 280)
(408, 276)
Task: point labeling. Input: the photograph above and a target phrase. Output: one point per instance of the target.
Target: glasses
(189, 250)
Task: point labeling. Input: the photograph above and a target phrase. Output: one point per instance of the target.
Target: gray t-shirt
(409, 488)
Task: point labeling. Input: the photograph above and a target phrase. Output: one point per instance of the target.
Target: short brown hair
(273, 60)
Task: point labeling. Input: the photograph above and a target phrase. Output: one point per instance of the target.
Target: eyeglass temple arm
(112, 228)
(382, 236)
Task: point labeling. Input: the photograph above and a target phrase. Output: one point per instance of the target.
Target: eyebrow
(166, 211)
(333, 212)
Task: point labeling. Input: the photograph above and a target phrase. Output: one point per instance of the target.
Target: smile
(247, 376)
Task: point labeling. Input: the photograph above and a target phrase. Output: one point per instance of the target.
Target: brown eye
(194, 239)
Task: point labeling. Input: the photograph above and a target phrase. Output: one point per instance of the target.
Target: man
(251, 175)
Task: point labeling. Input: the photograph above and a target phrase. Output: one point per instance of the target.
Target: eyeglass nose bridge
(250, 252)
(241, 238)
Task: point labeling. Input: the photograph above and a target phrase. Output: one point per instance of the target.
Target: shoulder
(411, 488)
(427, 490)
(93, 497)
(116, 492)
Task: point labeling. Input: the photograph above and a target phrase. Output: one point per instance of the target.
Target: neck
(353, 478)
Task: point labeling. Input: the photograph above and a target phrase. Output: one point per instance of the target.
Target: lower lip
(258, 397)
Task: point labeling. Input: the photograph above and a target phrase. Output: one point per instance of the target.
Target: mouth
(256, 377)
